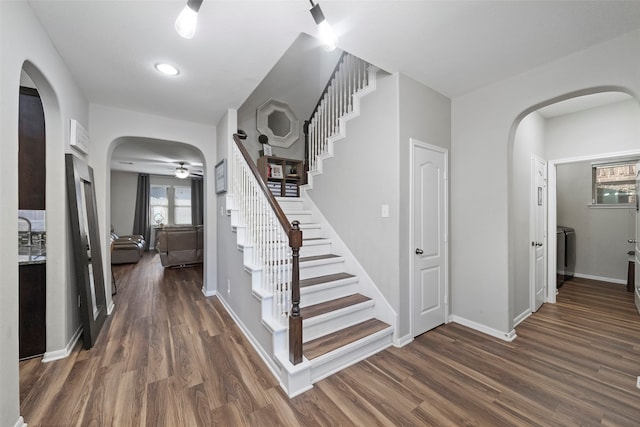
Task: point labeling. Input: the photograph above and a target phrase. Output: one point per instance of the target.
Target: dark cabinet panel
(32, 319)
(31, 151)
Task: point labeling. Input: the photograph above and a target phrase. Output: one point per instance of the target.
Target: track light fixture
(328, 37)
(188, 18)
(181, 171)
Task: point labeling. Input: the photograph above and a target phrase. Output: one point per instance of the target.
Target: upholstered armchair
(126, 249)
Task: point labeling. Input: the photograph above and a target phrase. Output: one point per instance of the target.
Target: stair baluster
(274, 241)
(350, 76)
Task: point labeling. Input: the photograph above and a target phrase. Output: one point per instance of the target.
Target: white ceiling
(156, 157)
(451, 46)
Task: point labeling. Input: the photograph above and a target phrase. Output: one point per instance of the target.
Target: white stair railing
(350, 76)
(263, 233)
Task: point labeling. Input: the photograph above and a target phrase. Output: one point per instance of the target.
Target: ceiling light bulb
(328, 37)
(167, 69)
(188, 19)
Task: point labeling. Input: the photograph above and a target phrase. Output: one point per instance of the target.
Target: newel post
(295, 319)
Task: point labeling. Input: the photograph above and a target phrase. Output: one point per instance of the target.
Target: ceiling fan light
(182, 172)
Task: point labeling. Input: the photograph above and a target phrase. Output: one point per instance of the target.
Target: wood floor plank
(168, 356)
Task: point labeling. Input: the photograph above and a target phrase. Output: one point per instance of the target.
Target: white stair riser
(328, 323)
(307, 272)
(315, 249)
(311, 233)
(327, 291)
(303, 217)
(290, 204)
(323, 366)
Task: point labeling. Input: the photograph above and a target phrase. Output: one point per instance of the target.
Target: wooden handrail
(282, 218)
(295, 243)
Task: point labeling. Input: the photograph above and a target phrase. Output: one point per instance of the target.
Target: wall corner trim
(207, 293)
(505, 336)
(50, 356)
(402, 341)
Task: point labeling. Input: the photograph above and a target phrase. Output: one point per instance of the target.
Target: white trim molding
(601, 279)
(505, 336)
(50, 356)
(20, 422)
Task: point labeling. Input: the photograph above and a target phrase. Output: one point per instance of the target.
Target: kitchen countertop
(29, 255)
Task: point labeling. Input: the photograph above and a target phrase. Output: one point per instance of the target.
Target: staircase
(345, 318)
(339, 322)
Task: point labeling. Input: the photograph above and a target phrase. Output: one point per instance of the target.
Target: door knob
(419, 251)
(632, 241)
(538, 244)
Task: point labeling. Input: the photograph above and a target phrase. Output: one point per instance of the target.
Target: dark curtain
(197, 216)
(141, 214)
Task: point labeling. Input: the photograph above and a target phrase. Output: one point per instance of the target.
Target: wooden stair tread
(324, 279)
(332, 305)
(318, 257)
(328, 343)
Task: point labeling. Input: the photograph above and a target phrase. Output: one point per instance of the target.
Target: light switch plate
(385, 211)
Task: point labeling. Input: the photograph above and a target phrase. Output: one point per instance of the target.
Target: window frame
(595, 183)
(170, 207)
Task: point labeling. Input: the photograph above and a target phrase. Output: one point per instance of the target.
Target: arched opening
(156, 184)
(580, 128)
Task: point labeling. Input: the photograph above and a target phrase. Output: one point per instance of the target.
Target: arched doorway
(586, 126)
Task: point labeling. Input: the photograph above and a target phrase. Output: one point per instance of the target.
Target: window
(169, 205)
(614, 183)
(182, 205)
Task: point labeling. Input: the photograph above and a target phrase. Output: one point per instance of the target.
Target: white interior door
(537, 270)
(637, 239)
(429, 223)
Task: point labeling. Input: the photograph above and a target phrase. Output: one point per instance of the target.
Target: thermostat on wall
(78, 137)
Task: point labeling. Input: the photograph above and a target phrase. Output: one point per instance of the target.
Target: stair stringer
(342, 128)
(366, 286)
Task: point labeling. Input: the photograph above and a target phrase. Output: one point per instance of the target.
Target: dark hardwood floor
(168, 356)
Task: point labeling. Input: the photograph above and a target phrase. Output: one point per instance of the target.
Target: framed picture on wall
(276, 171)
(267, 150)
(221, 176)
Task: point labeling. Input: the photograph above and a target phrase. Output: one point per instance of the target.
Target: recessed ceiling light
(167, 69)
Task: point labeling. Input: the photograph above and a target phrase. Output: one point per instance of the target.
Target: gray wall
(424, 115)
(124, 186)
(363, 175)
(371, 167)
(601, 233)
(606, 129)
(529, 140)
(298, 79)
(481, 151)
(26, 45)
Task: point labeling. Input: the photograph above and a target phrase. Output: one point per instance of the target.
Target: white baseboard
(601, 279)
(20, 423)
(505, 336)
(110, 308)
(402, 341)
(207, 293)
(520, 318)
(50, 356)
